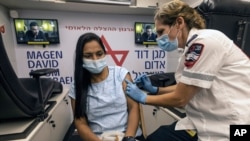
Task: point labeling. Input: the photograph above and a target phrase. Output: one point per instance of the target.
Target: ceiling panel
(141, 7)
(75, 6)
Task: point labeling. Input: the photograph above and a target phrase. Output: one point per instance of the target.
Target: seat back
(232, 17)
(16, 99)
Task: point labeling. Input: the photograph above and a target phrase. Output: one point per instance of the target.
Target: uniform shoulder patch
(193, 54)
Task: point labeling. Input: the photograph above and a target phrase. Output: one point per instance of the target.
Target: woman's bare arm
(133, 112)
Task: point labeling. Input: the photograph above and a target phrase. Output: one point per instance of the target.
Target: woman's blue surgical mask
(165, 44)
(94, 66)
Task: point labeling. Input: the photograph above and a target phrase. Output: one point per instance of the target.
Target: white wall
(7, 35)
(121, 40)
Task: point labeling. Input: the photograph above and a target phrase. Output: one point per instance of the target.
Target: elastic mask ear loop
(169, 30)
(177, 33)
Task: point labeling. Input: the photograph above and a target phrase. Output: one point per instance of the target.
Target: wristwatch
(128, 138)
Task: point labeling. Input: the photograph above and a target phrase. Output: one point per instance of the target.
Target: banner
(117, 35)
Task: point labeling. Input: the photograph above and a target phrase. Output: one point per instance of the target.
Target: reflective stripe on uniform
(198, 76)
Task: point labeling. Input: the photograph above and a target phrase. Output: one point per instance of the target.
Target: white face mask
(94, 66)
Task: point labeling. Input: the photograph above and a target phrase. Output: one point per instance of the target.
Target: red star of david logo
(113, 53)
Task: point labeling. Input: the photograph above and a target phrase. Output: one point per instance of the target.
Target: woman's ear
(180, 22)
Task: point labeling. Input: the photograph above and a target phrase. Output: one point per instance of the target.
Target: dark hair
(82, 77)
(148, 27)
(33, 24)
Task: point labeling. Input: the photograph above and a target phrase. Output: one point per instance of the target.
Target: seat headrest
(235, 7)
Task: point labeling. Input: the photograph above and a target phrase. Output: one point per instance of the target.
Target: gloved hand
(145, 82)
(135, 93)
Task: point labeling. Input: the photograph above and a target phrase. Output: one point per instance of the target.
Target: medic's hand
(138, 79)
(145, 82)
(135, 93)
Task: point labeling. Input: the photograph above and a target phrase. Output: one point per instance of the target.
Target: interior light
(59, 1)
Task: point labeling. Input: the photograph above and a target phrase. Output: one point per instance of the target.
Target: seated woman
(97, 94)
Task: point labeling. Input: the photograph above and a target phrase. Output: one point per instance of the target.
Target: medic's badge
(193, 54)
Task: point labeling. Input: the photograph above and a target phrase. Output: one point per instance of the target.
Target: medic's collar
(191, 39)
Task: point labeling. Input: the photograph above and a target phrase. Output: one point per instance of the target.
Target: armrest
(36, 74)
(41, 72)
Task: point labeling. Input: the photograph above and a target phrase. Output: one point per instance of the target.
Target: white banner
(117, 33)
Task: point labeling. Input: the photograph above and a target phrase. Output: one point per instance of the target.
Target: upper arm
(185, 92)
(130, 101)
(124, 84)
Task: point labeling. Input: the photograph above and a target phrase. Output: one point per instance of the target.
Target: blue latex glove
(138, 79)
(145, 83)
(135, 93)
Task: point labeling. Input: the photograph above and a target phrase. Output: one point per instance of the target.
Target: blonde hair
(169, 12)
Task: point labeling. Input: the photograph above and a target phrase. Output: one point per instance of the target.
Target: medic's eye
(159, 32)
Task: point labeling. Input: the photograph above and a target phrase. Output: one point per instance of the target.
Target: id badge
(192, 133)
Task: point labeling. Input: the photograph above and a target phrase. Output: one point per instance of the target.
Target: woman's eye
(100, 54)
(86, 56)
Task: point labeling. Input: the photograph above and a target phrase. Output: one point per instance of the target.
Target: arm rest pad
(41, 72)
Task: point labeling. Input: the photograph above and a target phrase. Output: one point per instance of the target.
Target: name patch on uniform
(193, 54)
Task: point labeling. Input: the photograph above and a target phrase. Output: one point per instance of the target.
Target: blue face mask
(165, 44)
(94, 66)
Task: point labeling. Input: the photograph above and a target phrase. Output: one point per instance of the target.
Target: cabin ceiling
(131, 7)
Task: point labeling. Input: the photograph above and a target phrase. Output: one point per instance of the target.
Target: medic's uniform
(214, 63)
